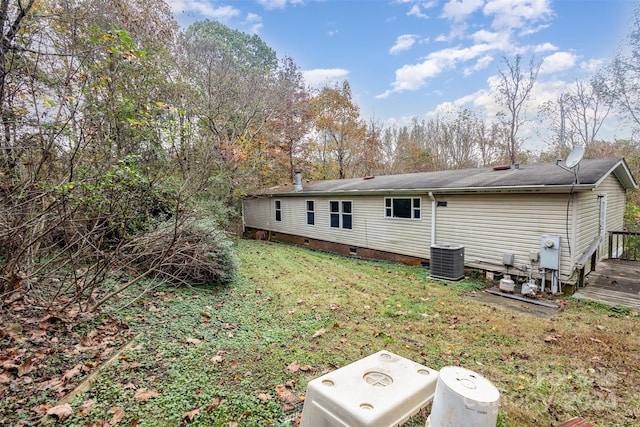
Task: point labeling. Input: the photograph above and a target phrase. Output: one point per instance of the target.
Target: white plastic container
(463, 398)
(380, 390)
(507, 285)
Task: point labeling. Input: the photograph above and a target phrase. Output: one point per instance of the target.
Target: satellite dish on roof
(575, 156)
(572, 164)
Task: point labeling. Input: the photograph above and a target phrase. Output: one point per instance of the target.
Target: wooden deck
(615, 283)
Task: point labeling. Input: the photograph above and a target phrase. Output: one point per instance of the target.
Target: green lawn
(225, 356)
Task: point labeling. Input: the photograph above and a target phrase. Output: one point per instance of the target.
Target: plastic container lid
(469, 384)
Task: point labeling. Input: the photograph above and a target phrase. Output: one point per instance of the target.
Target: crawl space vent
(447, 261)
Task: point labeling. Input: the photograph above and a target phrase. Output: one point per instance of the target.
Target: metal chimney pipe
(298, 186)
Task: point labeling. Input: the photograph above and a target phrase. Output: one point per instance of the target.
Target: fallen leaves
(26, 367)
(264, 397)
(48, 353)
(62, 412)
(214, 404)
(189, 416)
(318, 333)
(552, 338)
(118, 415)
(295, 367)
(144, 395)
(289, 399)
(70, 373)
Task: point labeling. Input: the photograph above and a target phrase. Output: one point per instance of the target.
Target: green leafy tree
(341, 129)
(232, 74)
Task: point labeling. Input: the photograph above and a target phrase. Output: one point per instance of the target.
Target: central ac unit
(447, 261)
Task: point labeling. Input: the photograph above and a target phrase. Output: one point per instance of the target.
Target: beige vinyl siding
(488, 225)
(616, 201)
(258, 213)
(587, 223)
(370, 227)
(589, 216)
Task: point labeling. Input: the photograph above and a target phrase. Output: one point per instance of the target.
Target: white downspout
(433, 218)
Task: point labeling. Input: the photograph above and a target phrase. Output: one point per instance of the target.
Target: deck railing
(624, 245)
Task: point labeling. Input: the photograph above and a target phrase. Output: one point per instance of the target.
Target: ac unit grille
(447, 261)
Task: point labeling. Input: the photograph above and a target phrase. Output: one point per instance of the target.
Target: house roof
(543, 177)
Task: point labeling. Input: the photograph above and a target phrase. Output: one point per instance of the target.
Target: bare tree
(586, 110)
(514, 89)
(621, 79)
(558, 135)
(13, 15)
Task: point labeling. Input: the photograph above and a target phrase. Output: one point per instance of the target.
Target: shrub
(189, 253)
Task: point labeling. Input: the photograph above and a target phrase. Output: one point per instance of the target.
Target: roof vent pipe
(298, 186)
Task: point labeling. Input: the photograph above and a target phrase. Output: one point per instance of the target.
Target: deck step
(609, 297)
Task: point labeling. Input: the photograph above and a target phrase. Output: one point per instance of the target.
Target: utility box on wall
(550, 252)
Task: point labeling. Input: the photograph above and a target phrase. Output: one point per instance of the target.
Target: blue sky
(406, 58)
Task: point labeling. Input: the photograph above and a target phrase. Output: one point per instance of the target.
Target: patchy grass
(224, 357)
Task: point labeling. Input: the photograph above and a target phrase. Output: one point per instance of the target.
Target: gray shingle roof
(534, 177)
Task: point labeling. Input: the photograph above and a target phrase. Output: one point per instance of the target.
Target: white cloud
(558, 61)
(277, 4)
(323, 76)
(545, 47)
(412, 77)
(273, 4)
(480, 64)
(417, 12)
(592, 66)
(254, 23)
(459, 10)
(517, 13)
(441, 38)
(205, 8)
(403, 42)
(332, 31)
(484, 36)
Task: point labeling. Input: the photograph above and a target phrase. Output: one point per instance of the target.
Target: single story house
(538, 220)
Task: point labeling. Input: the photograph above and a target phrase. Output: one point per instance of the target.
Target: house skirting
(339, 248)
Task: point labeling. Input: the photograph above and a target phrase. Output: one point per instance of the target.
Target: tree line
(115, 124)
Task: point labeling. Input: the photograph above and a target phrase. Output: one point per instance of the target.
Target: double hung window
(278, 210)
(341, 214)
(311, 212)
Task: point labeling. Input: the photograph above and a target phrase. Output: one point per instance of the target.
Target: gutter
(443, 190)
(433, 218)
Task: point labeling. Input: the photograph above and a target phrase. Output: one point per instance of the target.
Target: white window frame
(388, 210)
(341, 214)
(277, 210)
(312, 211)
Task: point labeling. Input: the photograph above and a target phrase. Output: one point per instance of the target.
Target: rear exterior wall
(370, 228)
(486, 224)
(490, 225)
